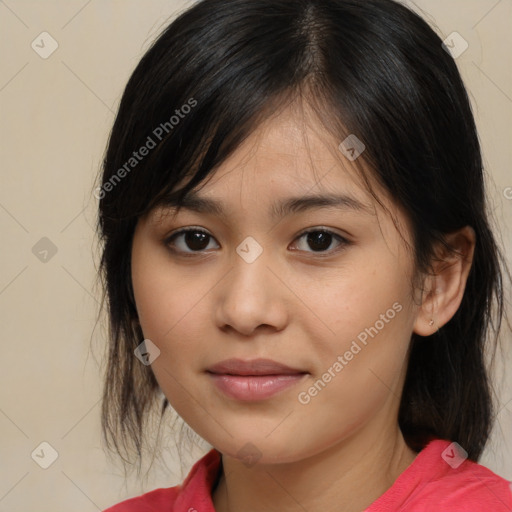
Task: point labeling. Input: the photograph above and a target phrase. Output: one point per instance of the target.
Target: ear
(444, 287)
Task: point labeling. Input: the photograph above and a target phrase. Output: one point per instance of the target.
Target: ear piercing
(431, 322)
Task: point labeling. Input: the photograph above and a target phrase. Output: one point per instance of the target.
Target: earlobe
(425, 323)
(444, 288)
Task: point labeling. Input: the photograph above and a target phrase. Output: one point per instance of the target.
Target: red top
(439, 479)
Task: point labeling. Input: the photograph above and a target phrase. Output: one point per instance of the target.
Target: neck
(345, 477)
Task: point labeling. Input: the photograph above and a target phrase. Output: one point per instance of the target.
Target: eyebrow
(279, 209)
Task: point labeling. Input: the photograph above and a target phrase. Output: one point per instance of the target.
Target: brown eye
(189, 240)
(192, 241)
(320, 240)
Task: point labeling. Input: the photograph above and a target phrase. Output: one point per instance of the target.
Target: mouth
(254, 367)
(254, 380)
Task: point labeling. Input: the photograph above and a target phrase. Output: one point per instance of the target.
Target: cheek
(159, 292)
(155, 297)
(367, 323)
(163, 303)
(355, 298)
(170, 313)
(172, 308)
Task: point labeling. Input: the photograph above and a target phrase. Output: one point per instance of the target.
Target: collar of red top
(195, 493)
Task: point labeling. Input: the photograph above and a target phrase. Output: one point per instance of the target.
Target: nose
(252, 297)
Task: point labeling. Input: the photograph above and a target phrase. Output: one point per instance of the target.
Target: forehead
(292, 156)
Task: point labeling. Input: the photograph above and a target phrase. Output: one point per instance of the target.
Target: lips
(253, 367)
(255, 380)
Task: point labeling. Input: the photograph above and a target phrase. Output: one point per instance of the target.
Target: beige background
(55, 117)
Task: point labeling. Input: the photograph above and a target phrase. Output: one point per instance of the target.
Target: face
(322, 289)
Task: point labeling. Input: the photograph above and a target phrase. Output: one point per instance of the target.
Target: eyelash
(170, 240)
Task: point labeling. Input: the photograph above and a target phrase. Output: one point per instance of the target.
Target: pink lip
(253, 367)
(253, 380)
(252, 388)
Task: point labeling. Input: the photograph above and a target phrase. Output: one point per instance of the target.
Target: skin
(344, 448)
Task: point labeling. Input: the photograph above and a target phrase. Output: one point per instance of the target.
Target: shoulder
(454, 483)
(195, 488)
(441, 478)
(158, 499)
(469, 488)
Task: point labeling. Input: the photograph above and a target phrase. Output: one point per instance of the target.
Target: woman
(297, 255)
